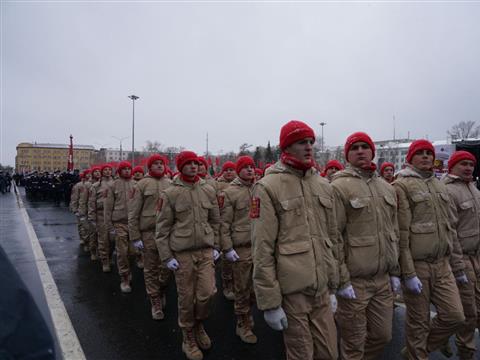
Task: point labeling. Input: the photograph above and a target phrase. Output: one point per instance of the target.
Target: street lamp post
(322, 124)
(120, 139)
(133, 97)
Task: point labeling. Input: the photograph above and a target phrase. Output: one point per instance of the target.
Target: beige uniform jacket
(366, 212)
(96, 197)
(116, 203)
(144, 204)
(222, 184)
(425, 219)
(235, 227)
(83, 199)
(189, 218)
(466, 197)
(75, 196)
(294, 233)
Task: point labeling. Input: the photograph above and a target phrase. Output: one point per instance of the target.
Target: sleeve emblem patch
(159, 205)
(221, 201)
(255, 208)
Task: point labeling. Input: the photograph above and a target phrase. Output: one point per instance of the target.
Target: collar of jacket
(280, 168)
(179, 182)
(450, 178)
(239, 182)
(411, 171)
(351, 171)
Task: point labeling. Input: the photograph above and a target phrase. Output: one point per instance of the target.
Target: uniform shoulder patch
(221, 201)
(255, 208)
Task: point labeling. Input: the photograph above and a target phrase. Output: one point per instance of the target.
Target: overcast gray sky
(235, 70)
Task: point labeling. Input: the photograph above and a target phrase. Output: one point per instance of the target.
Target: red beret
(156, 157)
(138, 169)
(228, 165)
(358, 137)
(294, 131)
(333, 164)
(385, 165)
(458, 156)
(244, 161)
(419, 145)
(184, 157)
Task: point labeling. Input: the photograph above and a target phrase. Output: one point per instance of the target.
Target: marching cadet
(293, 238)
(91, 236)
(366, 211)
(387, 171)
(141, 225)
(187, 241)
(116, 220)
(236, 243)
(203, 172)
(427, 240)
(331, 168)
(78, 189)
(96, 198)
(227, 175)
(258, 174)
(466, 198)
(138, 173)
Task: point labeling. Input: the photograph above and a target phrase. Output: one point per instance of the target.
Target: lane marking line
(66, 335)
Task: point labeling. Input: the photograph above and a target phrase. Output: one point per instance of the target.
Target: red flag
(209, 161)
(70, 155)
(217, 161)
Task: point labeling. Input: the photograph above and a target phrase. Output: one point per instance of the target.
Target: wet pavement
(112, 325)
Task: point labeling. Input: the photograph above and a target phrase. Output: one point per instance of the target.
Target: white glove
(173, 264)
(414, 285)
(83, 218)
(216, 254)
(462, 279)
(138, 244)
(347, 293)
(333, 302)
(113, 233)
(395, 283)
(276, 319)
(232, 255)
(77, 214)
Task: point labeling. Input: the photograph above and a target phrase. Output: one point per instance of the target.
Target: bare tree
(464, 130)
(152, 147)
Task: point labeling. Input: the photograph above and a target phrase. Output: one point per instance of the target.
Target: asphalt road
(112, 325)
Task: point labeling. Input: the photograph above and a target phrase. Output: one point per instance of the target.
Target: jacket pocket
(390, 200)
(292, 213)
(183, 233)
(360, 210)
(466, 205)
(362, 255)
(423, 240)
(295, 266)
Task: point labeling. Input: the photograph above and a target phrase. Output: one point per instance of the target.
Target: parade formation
(322, 254)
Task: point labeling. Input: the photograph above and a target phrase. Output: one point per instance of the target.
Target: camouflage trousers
(155, 273)
(124, 248)
(242, 280)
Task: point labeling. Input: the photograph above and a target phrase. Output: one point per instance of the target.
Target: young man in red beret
(116, 220)
(227, 175)
(144, 203)
(77, 190)
(293, 238)
(258, 174)
(331, 168)
(429, 252)
(466, 197)
(203, 172)
(92, 241)
(187, 241)
(387, 171)
(96, 199)
(366, 210)
(138, 173)
(236, 243)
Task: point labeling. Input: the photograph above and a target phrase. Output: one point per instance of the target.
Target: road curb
(66, 335)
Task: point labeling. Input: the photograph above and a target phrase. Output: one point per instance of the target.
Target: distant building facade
(51, 157)
(111, 155)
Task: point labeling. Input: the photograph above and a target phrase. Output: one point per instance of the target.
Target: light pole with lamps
(133, 97)
(121, 139)
(322, 124)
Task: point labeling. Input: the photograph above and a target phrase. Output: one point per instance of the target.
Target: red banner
(70, 155)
